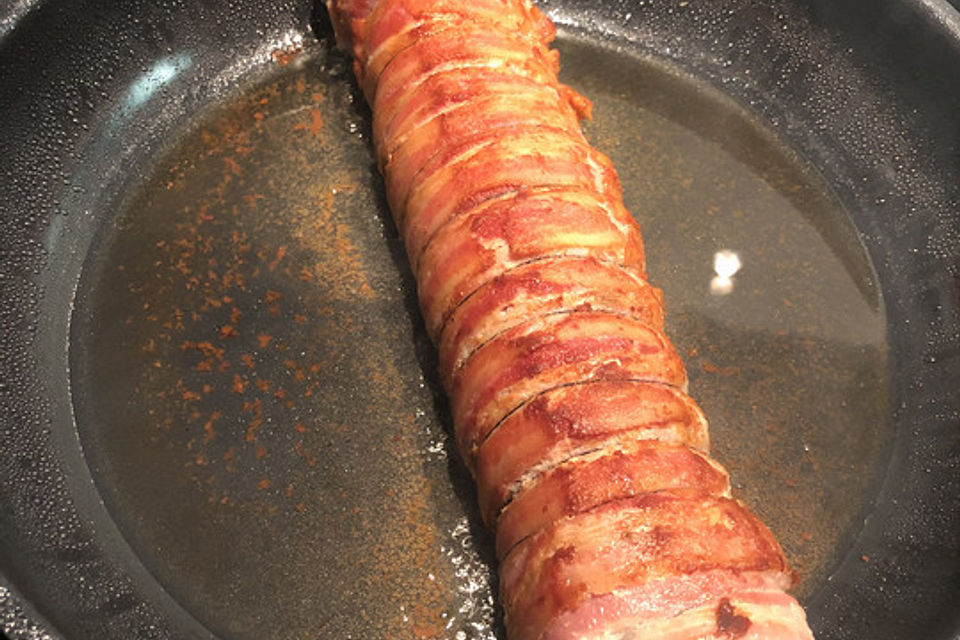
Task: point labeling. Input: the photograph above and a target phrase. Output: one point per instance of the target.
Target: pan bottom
(256, 396)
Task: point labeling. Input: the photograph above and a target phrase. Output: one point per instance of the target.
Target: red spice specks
(250, 435)
(316, 121)
(204, 347)
(208, 431)
(284, 57)
(307, 456)
(281, 252)
(709, 367)
(232, 165)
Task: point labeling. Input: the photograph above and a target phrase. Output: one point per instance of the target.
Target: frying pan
(130, 510)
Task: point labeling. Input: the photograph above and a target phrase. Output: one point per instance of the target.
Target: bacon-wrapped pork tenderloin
(569, 403)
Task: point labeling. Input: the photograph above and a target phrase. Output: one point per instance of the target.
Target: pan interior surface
(248, 388)
(256, 399)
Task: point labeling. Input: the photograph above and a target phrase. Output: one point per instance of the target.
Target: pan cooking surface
(256, 397)
(249, 385)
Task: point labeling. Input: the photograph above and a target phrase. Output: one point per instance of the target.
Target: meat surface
(513, 290)
(570, 421)
(507, 232)
(570, 404)
(628, 544)
(618, 469)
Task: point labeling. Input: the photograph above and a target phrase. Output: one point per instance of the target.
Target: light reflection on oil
(153, 79)
(726, 264)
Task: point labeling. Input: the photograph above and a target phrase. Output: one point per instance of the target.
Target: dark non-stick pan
(218, 409)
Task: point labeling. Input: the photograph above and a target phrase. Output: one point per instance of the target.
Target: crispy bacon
(515, 289)
(463, 55)
(569, 403)
(572, 420)
(627, 544)
(393, 26)
(532, 105)
(548, 352)
(619, 469)
(496, 236)
(710, 606)
(530, 159)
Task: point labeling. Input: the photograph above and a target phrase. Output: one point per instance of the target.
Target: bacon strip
(627, 544)
(499, 235)
(569, 402)
(515, 289)
(619, 469)
(572, 420)
(548, 352)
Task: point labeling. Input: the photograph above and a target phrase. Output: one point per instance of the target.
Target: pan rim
(940, 7)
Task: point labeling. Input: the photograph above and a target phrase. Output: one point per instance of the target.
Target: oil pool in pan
(256, 395)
